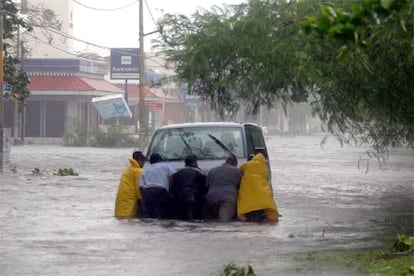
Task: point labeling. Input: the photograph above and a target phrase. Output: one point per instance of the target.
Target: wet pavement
(329, 197)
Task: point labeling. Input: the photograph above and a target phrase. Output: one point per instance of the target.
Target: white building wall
(45, 42)
(72, 109)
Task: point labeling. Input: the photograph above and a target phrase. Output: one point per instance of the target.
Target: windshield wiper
(186, 144)
(218, 142)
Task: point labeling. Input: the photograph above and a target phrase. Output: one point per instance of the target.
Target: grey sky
(120, 28)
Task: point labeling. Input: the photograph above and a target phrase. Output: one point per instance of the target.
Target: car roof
(206, 124)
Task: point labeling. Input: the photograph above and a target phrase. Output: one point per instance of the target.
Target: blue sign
(191, 100)
(111, 106)
(125, 63)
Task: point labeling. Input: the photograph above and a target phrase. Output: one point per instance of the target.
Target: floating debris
(65, 172)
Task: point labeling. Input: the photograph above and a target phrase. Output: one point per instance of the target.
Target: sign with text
(125, 63)
(155, 106)
(111, 106)
(192, 100)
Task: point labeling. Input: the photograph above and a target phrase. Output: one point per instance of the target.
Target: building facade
(61, 90)
(52, 33)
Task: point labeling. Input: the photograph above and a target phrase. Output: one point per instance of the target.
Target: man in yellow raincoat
(126, 204)
(255, 200)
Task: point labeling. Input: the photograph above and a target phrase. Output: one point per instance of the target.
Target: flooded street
(53, 225)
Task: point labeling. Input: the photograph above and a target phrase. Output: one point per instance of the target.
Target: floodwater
(331, 198)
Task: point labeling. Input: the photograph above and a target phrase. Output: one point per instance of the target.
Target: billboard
(125, 63)
(111, 106)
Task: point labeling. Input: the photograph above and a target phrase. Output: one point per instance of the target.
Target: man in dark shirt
(223, 184)
(188, 188)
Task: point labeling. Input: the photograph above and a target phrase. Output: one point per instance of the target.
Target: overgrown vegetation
(76, 134)
(234, 270)
(376, 263)
(113, 136)
(403, 244)
(398, 259)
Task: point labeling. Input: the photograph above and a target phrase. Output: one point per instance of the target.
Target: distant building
(51, 37)
(60, 90)
(63, 83)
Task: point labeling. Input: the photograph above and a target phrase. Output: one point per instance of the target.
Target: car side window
(254, 140)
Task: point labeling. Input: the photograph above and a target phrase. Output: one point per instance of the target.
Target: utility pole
(16, 104)
(1, 88)
(142, 118)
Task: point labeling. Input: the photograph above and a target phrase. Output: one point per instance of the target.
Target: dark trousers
(256, 216)
(188, 209)
(156, 202)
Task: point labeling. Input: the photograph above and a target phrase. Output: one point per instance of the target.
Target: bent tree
(370, 92)
(355, 67)
(251, 53)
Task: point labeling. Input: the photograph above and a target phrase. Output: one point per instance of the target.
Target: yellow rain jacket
(128, 191)
(255, 191)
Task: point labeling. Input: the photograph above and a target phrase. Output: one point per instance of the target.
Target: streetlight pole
(142, 119)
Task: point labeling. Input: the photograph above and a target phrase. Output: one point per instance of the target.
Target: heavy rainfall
(333, 101)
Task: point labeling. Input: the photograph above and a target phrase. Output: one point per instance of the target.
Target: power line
(66, 35)
(59, 49)
(79, 55)
(149, 10)
(102, 9)
(69, 36)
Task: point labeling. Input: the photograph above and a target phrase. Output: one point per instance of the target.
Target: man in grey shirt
(223, 184)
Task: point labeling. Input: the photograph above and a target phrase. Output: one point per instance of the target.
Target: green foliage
(370, 93)
(65, 172)
(112, 137)
(59, 172)
(398, 260)
(403, 243)
(148, 132)
(251, 52)
(75, 134)
(18, 79)
(375, 263)
(362, 262)
(233, 270)
(355, 67)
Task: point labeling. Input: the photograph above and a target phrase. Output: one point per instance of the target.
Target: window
(255, 140)
(206, 143)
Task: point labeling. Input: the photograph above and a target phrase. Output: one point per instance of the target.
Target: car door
(256, 143)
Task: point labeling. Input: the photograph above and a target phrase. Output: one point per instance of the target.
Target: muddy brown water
(53, 225)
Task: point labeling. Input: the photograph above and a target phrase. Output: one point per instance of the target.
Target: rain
(89, 90)
(65, 224)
